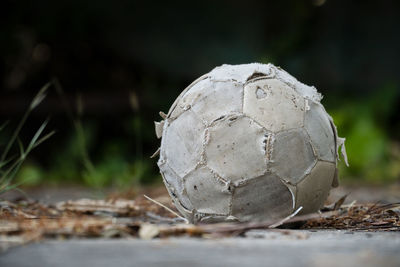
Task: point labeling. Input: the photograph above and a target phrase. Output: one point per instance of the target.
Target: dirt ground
(69, 225)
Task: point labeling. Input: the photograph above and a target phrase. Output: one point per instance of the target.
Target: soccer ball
(247, 143)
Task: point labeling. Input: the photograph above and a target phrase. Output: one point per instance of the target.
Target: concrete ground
(259, 248)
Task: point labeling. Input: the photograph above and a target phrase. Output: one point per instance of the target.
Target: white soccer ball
(247, 142)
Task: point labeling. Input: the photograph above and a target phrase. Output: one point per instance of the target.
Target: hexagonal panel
(273, 104)
(235, 149)
(206, 193)
(317, 125)
(262, 198)
(175, 186)
(182, 143)
(217, 100)
(292, 155)
(314, 189)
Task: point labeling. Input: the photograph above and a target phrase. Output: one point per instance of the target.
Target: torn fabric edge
(159, 125)
(340, 144)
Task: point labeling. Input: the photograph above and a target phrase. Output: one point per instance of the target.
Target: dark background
(120, 62)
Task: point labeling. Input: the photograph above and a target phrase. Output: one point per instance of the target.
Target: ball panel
(191, 96)
(314, 189)
(273, 104)
(319, 128)
(309, 92)
(178, 107)
(292, 156)
(206, 193)
(240, 73)
(262, 198)
(235, 149)
(218, 100)
(175, 186)
(182, 145)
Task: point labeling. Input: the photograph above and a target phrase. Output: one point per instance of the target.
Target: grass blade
(44, 138)
(21, 147)
(4, 125)
(37, 135)
(6, 176)
(10, 173)
(7, 187)
(4, 163)
(35, 102)
(14, 135)
(39, 96)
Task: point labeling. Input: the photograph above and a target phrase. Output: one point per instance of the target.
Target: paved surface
(293, 248)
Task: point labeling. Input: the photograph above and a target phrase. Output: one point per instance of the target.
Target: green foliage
(73, 162)
(114, 164)
(30, 175)
(9, 166)
(372, 153)
(118, 173)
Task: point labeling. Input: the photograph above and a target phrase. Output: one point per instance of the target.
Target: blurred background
(115, 64)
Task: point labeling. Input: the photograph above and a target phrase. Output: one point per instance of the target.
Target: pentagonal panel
(292, 155)
(314, 189)
(273, 104)
(182, 143)
(235, 148)
(217, 100)
(317, 125)
(175, 187)
(207, 193)
(262, 198)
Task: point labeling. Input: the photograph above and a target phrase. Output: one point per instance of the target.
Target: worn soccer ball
(247, 143)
